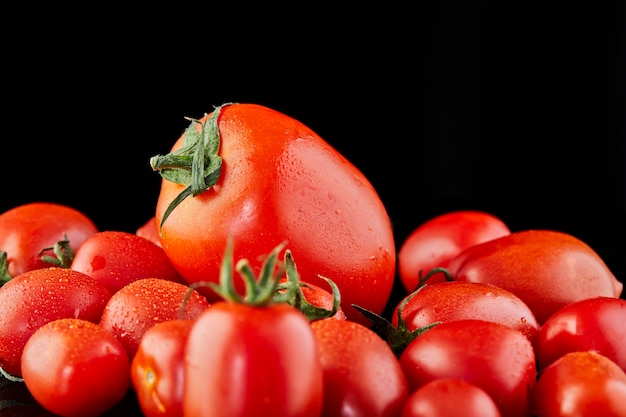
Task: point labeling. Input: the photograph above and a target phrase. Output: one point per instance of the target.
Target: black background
(508, 107)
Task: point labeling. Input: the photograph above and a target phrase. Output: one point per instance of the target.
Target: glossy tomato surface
(27, 229)
(547, 269)
(433, 243)
(280, 182)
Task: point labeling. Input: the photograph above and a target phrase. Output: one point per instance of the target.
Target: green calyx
(4, 268)
(197, 164)
(63, 254)
(269, 287)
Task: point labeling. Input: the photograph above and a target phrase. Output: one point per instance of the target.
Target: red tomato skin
(117, 258)
(591, 324)
(150, 231)
(495, 357)
(435, 242)
(74, 368)
(460, 300)
(157, 368)
(546, 269)
(280, 182)
(139, 305)
(27, 229)
(37, 297)
(362, 376)
(252, 361)
(445, 397)
(583, 383)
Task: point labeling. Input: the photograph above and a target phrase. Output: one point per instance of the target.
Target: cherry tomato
(546, 269)
(244, 360)
(433, 243)
(590, 324)
(28, 229)
(37, 297)
(75, 368)
(450, 397)
(459, 300)
(495, 357)
(362, 375)
(139, 305)
(268, 178)
(157, 368)
(583, 383)
(116, 258)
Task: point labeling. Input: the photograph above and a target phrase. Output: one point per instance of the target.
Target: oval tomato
(583, 383)
(117, 258)
(449, 397)
(74, 367)
(433, 243)
(37, 297)
(248, 361)
(459, 300)
(28, 229)
(546, 269)
(590, 324)
(495, 357)
(157, 368)
(272, 179)
(139, 305)
(362, 375)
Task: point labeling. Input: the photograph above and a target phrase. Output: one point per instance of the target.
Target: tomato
(139, 305)
(590, 324)
(157, 368)
(583, 383)
(546, 269)
(362, 375)
(446, 397)
(116, 258)
(27, 229)
(150, 231)
(74, 367)
(37, 297)
(433, 243)
(459, 300)
(268, 178)
(495, 357)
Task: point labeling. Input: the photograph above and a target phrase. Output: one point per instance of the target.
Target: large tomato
(28, 229)
(547, 269)
(268, 178)
(433, 243)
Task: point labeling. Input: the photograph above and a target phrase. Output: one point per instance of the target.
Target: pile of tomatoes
(258, 289)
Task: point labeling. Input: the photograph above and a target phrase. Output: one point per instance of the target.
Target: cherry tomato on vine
(37, 297)
(583, 383)
(433, 243)
(29, 229)
(75, 368)
(117, 258)
(546, 269)
(261, 177)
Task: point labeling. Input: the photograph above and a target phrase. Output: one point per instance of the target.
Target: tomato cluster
(261, 287)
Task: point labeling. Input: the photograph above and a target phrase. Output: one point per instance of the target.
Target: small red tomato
(591, 324)
(495, 357)
(37, 297)
(450, 397)
(28, 229)
(117, 258)
(362, 375)
(583, 383)
(436, 241)
(459, 300)
(157, 368)
(75, 368)
(546, 269)
(138, 306)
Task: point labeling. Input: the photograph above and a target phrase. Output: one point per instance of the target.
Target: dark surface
(513, 109)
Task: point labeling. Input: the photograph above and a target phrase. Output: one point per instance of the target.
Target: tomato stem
(4, 268)
(64, 254)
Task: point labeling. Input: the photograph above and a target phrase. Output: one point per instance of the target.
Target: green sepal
(4, 268)
(64, 254)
